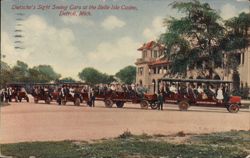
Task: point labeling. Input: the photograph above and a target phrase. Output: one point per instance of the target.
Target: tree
(127, 74)
(47, 73)
(193, 40)
(20, 72)
(5, 73)
(93, 76)
(107, 79)
(90, 75)
(67, 79)
(236, 38)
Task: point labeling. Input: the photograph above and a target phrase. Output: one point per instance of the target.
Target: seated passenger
(211, 92)
(173, 89)
(190, 92)
(220, 95)
(200, 90)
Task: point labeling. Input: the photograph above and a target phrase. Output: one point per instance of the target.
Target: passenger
(42, 92)
(46, 89)
(101, 89)
(190, 92)
(71, 91)
(200, 90)
(183, 90)
(145, 89)
(212, 91)
(119, 88)
(105, 89)
(204, 94)
(173, 89)
(132, 86)
(112, 87)
(167, 89)
(195, 91)
(220, 95)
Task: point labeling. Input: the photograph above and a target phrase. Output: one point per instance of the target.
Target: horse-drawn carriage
(200, 92)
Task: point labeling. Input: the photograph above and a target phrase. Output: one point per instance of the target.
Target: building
(244, 68)
(152, 66)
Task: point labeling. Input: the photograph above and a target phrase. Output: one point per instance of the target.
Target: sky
(104, 39)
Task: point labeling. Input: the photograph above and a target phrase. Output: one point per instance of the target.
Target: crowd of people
(199, 91)
(8, 93)
(92, 91)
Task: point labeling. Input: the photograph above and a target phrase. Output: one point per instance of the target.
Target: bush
(125, 135)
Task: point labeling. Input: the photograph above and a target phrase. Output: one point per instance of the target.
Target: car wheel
(77, 102)
(144, 104)
(108, 103)
(119, 104)
(183, 105)
(36, 100)
(154, 105)
(233, 108)
(48, 100)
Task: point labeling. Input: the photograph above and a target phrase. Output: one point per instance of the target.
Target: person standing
(92, 97)
(160, 100)
(9, 93)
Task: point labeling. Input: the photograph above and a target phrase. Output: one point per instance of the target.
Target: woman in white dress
(220, 96)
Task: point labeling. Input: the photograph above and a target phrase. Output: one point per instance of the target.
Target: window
(243, 58)
(154, 70)
(144, 54)
(158, 70)
(155, 54)
(140, 70)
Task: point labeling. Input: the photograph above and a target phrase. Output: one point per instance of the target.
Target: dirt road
(40, 122)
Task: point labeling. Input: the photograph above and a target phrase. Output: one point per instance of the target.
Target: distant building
(152, 66)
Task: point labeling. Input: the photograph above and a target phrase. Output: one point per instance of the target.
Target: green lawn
(233, 144)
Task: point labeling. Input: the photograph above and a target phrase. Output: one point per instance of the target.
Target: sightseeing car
(200, 92)
(120, 98)
(45, 92)
(18, 92)
(72, 92)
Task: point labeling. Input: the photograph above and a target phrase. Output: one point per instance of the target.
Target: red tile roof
(150, 45)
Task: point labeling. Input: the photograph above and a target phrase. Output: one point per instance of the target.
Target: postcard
(125, 78)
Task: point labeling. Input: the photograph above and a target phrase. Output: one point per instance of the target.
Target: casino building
(153, 65)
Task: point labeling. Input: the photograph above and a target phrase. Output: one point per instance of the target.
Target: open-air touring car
(16, 92)
(61, 93)
(200, 92)
(120, 98)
